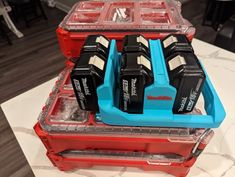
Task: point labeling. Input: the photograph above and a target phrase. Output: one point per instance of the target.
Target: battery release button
(176, 62)
(142, 40)
(141, 60)
(97, 61)
(102, 41)
(170, 40)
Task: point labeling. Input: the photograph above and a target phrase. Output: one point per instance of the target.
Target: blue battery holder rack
(158, 98)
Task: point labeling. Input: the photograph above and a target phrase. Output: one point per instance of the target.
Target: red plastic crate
(147, 162)
(63, 126)
(115, 19)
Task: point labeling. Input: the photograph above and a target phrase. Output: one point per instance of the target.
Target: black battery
(87, 74)
(187, 76)
(136, 73)
(96, 43)
(136, 43)
(176, 43)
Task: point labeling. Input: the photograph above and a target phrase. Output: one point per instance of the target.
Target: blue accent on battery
(158, 98)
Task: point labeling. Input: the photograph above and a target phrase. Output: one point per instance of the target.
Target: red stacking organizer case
(78, 139)
(63, 126)
(154, 19)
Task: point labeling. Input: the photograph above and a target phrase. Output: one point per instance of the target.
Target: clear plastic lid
(62, 114)
(129, 15)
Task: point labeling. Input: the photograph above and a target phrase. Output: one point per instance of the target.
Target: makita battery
(136, 43)
(96, 43)
(135, 75)
(176, 43)
(187, 76)
(86, 76)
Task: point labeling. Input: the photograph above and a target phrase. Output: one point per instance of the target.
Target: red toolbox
(76, 159)
(63, 126)
(115, 19)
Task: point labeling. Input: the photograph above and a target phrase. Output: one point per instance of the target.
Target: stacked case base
(75, 161)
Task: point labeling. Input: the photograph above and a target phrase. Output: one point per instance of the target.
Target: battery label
(189, 99)
(126, 95)
(97, 61)
(193, 96)
(143, 41)
(141, 60)
(176, 62)
(80, 94)
(85, 86)
(170, 40)
(182, 104)
(133, 87)
(102, 41)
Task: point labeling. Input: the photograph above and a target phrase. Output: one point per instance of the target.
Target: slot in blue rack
(158, 98)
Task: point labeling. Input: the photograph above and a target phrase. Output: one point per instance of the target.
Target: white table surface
(217, 160)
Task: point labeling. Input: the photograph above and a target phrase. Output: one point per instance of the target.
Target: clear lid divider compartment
(65, 109)
(121, 14)
(84, 17)
(154, 13)
(90, 6)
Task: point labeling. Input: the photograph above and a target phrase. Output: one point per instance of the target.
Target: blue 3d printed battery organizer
(158, 97)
